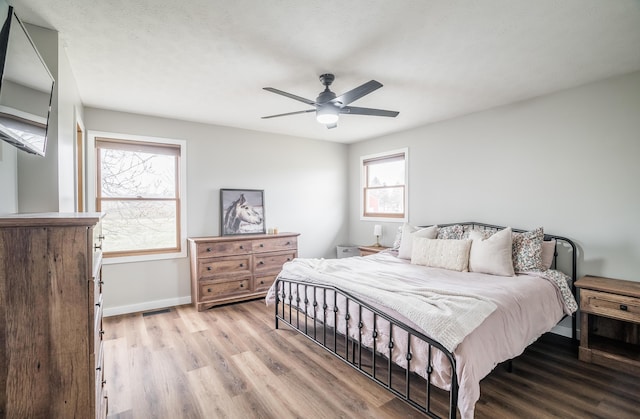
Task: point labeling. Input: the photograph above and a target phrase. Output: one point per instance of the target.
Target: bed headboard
(561, 261)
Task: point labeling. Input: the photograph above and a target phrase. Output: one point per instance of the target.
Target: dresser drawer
(610, 305)
(263, 282)
(214, 289)
(97, 331)
(271, 261)
(208, 249)
(223, 266)
(272, 244)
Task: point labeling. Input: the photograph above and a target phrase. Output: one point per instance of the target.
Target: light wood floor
(230, 362)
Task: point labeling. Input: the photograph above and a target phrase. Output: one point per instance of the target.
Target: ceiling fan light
(326, 116)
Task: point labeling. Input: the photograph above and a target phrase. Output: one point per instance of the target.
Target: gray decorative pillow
(453, 232)
(527, 250)
(548, 253)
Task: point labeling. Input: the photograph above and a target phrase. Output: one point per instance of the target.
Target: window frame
(181, 188)
(388, 156)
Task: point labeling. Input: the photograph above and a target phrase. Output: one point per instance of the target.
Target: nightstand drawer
(610, 305)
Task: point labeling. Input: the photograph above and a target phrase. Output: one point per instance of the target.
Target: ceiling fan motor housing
(327, 78)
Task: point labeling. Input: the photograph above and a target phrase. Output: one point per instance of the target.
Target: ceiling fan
(328, 106)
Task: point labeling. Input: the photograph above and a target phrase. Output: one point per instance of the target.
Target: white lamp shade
(327, 115)
(377, 230)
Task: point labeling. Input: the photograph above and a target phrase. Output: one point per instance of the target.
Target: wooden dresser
(236, 268)
(51, 353)
(610, 322)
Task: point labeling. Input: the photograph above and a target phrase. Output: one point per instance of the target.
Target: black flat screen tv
(26, 88)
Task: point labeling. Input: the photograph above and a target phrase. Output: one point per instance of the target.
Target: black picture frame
(242, 212)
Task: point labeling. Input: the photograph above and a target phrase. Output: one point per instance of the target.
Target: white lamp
(327, 115)
(377, 231)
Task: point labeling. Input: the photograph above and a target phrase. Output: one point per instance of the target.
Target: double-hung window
(139, 190)
(384, 185)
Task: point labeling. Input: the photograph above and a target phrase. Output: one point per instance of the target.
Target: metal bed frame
(310, 318)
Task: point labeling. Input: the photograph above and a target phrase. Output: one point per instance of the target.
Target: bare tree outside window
(137, 189)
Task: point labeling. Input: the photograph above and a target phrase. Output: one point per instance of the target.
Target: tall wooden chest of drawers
(51, 353)
(237, 268)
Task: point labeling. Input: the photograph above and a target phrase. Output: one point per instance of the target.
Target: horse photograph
(242, 211)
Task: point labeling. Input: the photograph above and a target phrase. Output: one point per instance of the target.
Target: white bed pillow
(492, 255)
(441, 253)
(409, 233)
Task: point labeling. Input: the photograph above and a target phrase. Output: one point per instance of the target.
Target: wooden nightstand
(370, 250)
(610, 322)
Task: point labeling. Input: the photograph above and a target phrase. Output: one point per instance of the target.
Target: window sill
(384, 219)
(144, 258)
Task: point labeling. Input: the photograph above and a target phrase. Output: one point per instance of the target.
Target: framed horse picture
(241, 212)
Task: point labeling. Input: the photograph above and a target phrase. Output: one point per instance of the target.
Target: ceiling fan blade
(368, 111)
(329, 126)
(289, 95)
(288, 113)
(357, 93)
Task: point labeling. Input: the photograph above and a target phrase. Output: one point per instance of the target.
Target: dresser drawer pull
(209, 249)
(623, 307)
(288, 258)
(241, 285)
(208, 289)
(208, 268)
(261, 244)
(261, 282)
(242, 265)
(261, 263)
(241, 247)
(287, 243)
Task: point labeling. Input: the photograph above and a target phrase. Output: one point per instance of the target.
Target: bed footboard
(394, 355)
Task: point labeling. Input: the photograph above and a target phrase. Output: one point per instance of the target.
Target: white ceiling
(208, 60)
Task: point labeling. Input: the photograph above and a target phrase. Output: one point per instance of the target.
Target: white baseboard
(146, 306)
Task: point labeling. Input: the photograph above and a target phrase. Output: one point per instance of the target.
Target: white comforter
(502, 315)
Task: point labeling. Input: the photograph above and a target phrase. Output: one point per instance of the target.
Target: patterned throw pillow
(527, 250)
(453, 232)
(483, 232)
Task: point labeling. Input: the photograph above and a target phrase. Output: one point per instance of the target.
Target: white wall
(38, 176)
(305, 184)
(48, 183)
(8, 178)
(567, 161)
